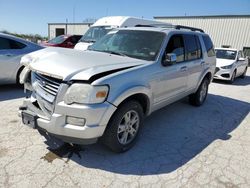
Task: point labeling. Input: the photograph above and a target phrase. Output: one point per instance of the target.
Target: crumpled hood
(223, 62)
(68, 64)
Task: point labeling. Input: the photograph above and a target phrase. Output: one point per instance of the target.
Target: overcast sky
(32, 16)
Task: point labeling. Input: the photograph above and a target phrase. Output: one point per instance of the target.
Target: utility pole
(66, 26)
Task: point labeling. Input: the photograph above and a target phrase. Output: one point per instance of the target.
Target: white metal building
(225, 30)
(56, 29)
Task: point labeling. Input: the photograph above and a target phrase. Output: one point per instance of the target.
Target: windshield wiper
(88, 41)
(115, 53)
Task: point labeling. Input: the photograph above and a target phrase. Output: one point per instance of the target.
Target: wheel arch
(18, 73)
(140, 94)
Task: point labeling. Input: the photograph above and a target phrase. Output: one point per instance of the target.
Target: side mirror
(169, 59)
(241, 59)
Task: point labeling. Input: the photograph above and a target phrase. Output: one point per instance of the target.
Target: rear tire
(123, 128)
(244, 73)
(198, 98)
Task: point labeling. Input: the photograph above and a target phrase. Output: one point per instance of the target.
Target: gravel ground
(179, 146)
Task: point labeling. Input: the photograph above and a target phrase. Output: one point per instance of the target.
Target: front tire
(122, 130)
(198, 98)
(232, 77)
(244, 73)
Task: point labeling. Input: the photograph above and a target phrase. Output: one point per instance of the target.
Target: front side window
(75, 39)
(193, 48)
(241, 55)
(143, 45)
(176, 46)
(226, 54)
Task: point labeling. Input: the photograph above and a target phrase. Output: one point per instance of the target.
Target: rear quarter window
(209, 45)
(16, 45)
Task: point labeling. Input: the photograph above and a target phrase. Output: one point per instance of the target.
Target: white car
(230, 63)
(11, 50)
(102, 26)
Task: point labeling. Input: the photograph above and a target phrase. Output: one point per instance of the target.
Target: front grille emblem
(43, 83)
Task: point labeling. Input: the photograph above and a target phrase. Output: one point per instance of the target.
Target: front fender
(126, 93)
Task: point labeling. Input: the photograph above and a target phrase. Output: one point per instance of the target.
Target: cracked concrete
(179, 146)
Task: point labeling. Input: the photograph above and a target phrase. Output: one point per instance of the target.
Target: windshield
(226, 54)
(58, 40)
(136, 44)
(95, 33)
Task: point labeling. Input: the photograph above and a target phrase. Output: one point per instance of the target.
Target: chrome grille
(45, 91)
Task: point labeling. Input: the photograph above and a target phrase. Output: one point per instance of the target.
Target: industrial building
(56, 29)
(225, 30)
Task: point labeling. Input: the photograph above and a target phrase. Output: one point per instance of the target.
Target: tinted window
(199, 47)
(10, 44)
(75, 39)
(226, 54)
(193, 49)
(16, 45)
(176, 46)
(209, 46)
(241, 55)
(4, 44)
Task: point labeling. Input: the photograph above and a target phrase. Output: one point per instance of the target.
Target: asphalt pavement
(179, 146)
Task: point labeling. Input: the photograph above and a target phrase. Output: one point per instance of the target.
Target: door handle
(183, 69)
(202, 62)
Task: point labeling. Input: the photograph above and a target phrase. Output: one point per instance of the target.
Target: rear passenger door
(194, 60)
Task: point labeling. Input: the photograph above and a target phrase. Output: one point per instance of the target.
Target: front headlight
(85, 94)
(227, 67)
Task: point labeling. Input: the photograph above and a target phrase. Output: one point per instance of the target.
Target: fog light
(75, 121)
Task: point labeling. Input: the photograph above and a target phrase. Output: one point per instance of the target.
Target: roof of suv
(161, 29)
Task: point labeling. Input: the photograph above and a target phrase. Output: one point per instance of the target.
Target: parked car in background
(65, 41)
(102, 26)
(106, 91)
(11, 50)
(230, 64)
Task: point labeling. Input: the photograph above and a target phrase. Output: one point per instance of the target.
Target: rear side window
(209, 46)
(16, 45)
(6, 44)
(193, 47)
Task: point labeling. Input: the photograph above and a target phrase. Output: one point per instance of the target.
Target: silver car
(105, 92)
(11, 50)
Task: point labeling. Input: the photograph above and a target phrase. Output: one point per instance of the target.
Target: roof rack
(171, 26)
(140, 25)
(186, 27)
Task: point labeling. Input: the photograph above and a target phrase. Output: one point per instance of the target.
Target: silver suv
(106, 91)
